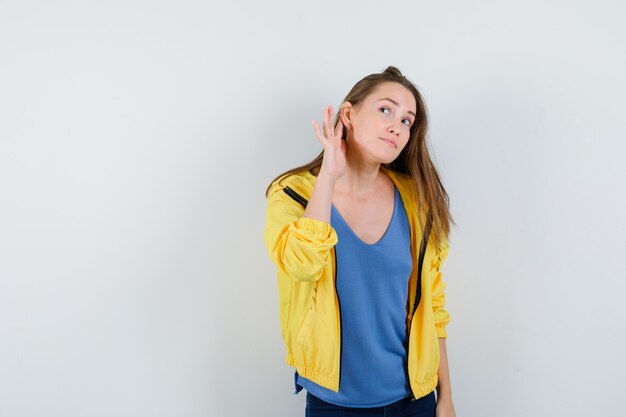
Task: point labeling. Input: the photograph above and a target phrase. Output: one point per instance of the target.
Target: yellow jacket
(310, 317)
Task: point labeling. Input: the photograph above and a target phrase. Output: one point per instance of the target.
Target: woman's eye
(407, 122)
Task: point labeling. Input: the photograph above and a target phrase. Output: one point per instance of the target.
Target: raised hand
(334, 163)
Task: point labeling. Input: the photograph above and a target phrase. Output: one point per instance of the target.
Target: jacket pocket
(306, 328)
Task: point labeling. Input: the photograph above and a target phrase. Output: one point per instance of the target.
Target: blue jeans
(422, 407)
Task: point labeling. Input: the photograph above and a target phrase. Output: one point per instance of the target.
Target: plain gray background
(136, 142)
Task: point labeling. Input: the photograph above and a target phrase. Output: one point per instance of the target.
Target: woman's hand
(445, 408)
(334, 163)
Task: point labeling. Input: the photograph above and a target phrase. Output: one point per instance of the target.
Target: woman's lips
(390, 142)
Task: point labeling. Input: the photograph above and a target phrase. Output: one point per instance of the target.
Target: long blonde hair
(414, 159)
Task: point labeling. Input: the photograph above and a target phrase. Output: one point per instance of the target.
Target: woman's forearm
(444, 391)
(320, 202)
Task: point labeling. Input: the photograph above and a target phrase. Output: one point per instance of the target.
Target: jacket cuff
(441, 331)
(316, 229)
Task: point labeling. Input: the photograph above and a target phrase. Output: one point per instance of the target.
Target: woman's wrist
(444, 394)
(326, 179)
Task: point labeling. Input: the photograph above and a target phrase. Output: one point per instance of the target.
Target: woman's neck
(360, 179)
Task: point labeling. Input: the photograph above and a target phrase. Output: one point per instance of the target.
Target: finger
(339, 129)
(329, 122)
(317, 131)
(325, 122)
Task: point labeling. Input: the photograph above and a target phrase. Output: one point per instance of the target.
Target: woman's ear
(345, 113)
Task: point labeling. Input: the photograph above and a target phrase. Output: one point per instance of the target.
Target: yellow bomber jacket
(309, 307)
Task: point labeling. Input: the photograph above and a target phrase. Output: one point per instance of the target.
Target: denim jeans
(422, 407)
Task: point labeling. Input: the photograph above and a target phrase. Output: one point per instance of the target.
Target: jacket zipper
(340, 329)
(291, 193)
(298, 198)
(418, 289)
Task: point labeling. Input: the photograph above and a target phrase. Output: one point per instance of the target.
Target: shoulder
(301, 182)
(405, 183)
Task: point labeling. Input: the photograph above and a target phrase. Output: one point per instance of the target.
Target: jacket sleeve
(299, 246)
(442, 317)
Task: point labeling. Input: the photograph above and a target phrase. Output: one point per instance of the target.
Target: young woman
(358, 237)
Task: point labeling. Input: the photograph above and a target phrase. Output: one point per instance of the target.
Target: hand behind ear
(334, 162)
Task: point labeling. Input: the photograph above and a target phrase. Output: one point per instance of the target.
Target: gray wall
(136, 142)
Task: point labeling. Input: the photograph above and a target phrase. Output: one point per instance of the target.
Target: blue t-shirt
(372, 283)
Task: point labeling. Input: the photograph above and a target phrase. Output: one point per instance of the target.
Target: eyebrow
(396, 103)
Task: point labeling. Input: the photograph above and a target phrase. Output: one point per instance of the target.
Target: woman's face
(381, 124)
